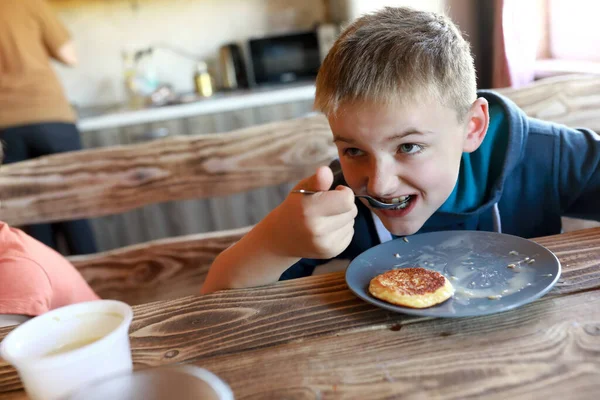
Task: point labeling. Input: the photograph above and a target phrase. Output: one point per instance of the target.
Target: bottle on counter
(129, 79)
(135, 85)
(202, 80)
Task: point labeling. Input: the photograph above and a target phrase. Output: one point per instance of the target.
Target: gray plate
(476, 263)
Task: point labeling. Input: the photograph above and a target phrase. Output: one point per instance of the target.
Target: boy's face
(410, 150)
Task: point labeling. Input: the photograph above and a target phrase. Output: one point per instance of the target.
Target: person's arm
(67, 54)
(25, 288)
(10, 319)
(579, 173)
(315, 226)
(55, 35)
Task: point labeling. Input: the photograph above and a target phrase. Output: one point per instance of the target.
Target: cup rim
(221, 388)
(42, 362)
(218, 384)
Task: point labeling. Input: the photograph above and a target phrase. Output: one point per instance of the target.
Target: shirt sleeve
(54, 33)
(304, 267)
(24, 287)
(579, 173)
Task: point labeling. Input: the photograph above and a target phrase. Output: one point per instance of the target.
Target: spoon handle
(315, 192)
(304, 191)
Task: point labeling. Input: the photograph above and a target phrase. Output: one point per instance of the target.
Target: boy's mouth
(402, 201)
(405, 207)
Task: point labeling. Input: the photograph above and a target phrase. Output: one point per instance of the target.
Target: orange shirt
(34, 278)
(30, 92)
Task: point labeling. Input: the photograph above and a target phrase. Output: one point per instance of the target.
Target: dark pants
(29, 141)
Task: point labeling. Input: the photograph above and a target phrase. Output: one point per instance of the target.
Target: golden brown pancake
(411, 287)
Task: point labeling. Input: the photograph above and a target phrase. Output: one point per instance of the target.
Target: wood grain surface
(579, 255)
(549, 349)
(105, 181)
(312, 338)
(157, 270)
(573, 100)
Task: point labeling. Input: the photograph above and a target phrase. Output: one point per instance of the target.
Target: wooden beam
(157, 270)
(111, 180)
(572, 100)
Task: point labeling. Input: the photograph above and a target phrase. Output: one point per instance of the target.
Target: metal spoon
(372, 201)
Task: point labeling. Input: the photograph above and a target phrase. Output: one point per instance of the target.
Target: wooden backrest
(572, 100)
(110, 180)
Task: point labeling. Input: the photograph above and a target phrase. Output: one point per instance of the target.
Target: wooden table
(312, 338)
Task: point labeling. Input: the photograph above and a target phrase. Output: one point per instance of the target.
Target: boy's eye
(410, 148)
(353, 152)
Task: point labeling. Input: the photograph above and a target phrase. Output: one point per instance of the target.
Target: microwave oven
(290, 57)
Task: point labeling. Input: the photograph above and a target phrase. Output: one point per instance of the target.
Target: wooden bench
(106, 181)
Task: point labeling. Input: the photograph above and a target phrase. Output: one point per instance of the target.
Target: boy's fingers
(320, 181)
(334, 202)
(326, 202)
(344, 189)
(323, 179)
(347, 238)
(334, 222)
(343, 237)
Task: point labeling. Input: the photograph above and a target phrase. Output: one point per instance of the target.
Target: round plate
(477, 263)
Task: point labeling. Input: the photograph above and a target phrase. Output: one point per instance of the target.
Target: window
(570, 41)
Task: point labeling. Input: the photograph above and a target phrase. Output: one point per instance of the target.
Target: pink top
(34, 278)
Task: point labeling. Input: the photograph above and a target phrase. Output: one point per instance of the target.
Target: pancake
(411, 287)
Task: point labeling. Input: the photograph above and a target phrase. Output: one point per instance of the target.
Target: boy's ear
(478, 119)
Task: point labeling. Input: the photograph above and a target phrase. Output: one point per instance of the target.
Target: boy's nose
(382, 182)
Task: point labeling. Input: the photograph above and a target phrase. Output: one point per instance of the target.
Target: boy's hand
(320, 225)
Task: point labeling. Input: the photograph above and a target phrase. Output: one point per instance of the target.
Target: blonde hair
(394, 55)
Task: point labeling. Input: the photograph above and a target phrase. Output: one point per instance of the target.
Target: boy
(398, 88)
(34, 278)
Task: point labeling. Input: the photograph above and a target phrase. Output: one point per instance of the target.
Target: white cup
(39, 348)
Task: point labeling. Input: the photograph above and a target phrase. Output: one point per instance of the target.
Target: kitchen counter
(107, 117)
